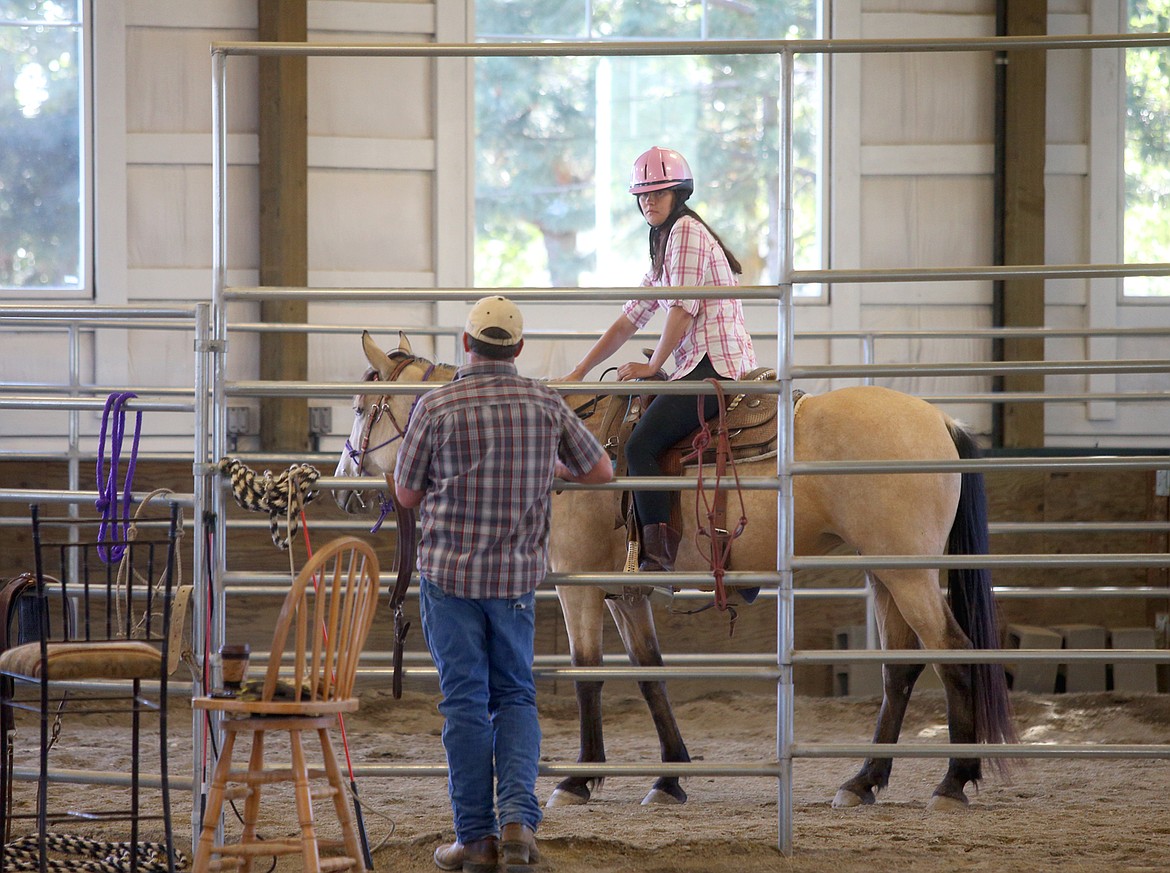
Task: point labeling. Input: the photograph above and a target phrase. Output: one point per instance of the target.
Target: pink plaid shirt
(693, 257)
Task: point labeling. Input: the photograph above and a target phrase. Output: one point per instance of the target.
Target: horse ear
(404, 343)
(377, 358)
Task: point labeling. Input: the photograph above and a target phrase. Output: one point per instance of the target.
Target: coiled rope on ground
(93, 856)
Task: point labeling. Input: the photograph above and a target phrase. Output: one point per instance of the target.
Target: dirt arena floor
(1072, 815)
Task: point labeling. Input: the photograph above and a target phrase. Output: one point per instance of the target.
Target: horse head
(379, 421)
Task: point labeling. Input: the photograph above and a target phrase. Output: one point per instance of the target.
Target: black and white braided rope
(282, 496)
(97, 856)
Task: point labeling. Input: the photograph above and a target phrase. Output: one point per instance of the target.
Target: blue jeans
(483, 650)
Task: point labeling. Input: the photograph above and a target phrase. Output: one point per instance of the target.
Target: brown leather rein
(406, 545)
(715, 529)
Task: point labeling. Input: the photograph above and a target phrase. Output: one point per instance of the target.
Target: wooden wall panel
(388, 98)
(169, 81)
(926, 97)
(934, 221)
(376, 222)
(173, 229)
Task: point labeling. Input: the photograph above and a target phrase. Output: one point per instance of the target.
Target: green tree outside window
(1147, 162)
(556, 138)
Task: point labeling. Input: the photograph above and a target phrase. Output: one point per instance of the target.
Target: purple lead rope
(386, 507)
(107, 502)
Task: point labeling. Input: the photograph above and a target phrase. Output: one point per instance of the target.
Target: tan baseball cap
(495, 312)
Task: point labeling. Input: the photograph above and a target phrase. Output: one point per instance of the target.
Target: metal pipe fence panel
(787, 467)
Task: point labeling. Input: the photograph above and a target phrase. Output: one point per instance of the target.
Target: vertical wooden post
(1025, 128)
(284, 236)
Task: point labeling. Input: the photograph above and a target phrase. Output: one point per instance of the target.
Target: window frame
(87, 284)
(1122, 122)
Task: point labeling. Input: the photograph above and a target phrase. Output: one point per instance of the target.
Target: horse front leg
(635, 623)
(583, 611)
(897, 684)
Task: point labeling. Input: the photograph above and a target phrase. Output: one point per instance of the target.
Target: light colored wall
(390, 197)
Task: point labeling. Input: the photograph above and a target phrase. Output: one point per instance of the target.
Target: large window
(1147, 150)
(556, 137)
(43, 226)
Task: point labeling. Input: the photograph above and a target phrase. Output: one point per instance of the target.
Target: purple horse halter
(382, 407)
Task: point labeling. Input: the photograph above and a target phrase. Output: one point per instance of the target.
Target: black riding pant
(663, 423)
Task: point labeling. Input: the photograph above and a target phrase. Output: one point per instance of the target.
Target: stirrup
(631, 556)
(663, 595)
(656, 593)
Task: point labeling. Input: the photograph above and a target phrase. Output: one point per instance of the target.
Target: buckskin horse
(920, 514)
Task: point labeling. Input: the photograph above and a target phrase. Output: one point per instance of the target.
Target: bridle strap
(405, 554)
(382, 407)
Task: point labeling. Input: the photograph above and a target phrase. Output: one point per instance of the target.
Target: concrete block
(855, 680)
(1038, 677)
(1082, 676)
(1134, 677)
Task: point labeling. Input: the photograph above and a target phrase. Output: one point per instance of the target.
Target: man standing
(479, 456)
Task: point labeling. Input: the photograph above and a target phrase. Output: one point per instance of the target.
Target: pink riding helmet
(659, 168)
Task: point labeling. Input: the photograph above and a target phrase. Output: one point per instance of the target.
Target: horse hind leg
(950, 793)
(635, 622)
(923, 608)
(959, 685)
(897, 684)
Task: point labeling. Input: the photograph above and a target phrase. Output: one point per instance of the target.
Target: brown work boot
(659, 547)
(478, 856)
(518, 847)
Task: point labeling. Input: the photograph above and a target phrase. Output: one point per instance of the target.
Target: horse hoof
(846, 799)
(657, 795)
(560, 797)
(943, 803)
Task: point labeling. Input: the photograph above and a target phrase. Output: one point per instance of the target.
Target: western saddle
(750, 426)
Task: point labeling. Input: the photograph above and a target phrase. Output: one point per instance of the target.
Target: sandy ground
(1071, 815)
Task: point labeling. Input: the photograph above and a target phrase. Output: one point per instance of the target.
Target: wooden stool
(330, 620)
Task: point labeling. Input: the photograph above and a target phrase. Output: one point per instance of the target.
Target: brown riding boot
(659, 547)
(477, 856)
(518, 847)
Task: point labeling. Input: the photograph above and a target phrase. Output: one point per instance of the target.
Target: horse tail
(972, 601)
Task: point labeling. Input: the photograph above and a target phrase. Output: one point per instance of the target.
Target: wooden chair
(90, 632)
(323, 626)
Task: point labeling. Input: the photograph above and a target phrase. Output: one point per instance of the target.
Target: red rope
(720, 546)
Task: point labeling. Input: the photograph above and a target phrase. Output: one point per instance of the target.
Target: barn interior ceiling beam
(284, 234)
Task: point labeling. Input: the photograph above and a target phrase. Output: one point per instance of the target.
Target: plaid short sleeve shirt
(483, 449)
(693, 257)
